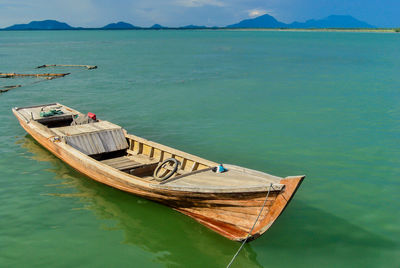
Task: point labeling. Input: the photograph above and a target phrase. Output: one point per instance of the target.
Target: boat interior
(141, 158)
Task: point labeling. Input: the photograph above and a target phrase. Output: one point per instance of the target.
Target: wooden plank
(216, 189)
(4, 89)
(202, 166)
(179, 158)
(143, 158)
(89, 67)
(237, 202)
(158, 155)
(188, 165)
(171, 151)
(121, 162)
(88, 128)
(10, 75)
(228, 178)
(245, 222)
(195, 166)
(253, 172)
(146, 150)
(167, 155)
(136, 147)
(19, 109)
(114, 160)
(125, 163)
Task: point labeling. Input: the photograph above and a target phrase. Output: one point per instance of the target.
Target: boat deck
(234, 179)
(33, 112)
(85, 128)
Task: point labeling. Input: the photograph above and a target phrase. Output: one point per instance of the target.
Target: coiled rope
(248, 235)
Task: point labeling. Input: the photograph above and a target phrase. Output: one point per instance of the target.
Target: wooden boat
(230, 203)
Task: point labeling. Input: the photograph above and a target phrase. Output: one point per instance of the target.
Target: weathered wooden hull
(230, 214)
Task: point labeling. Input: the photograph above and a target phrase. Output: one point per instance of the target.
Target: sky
(97, 13)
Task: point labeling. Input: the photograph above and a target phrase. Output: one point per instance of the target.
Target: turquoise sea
(324, 104)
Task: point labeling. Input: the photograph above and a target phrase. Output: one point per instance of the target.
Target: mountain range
(333, 21)
(119, 26)
(264, 21)
(41, 25)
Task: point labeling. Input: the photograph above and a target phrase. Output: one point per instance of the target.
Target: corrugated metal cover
(98, 142)
(96, 138)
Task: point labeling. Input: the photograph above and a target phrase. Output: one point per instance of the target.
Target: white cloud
(256, 12)
(200, 3)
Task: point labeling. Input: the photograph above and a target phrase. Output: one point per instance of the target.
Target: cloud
(257, 12)
(200, 3)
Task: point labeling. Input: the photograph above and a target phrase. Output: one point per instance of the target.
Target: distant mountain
(158, 27)
(264, 21)
(333, 21)
(41, 25)
(193, 27)
(119, 26)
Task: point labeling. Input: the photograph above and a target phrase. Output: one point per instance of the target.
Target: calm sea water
(288, 103)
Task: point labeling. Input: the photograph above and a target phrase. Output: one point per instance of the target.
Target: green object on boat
(50, 113)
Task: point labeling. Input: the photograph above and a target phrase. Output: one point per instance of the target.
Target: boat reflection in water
(173, 238)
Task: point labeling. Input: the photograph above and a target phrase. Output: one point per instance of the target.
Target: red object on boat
(92, 115)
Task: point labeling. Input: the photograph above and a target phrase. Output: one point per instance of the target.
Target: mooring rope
(248, 235)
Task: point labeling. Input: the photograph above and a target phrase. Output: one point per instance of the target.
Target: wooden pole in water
(89, 67)
(11, 75)
(7, 88)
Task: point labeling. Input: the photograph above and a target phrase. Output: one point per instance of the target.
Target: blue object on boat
(221, 169)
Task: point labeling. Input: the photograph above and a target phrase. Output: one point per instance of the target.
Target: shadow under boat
(315, 228)
(313, 237)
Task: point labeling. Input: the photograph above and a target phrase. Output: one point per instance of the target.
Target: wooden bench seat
(125, 163)
(121, 163)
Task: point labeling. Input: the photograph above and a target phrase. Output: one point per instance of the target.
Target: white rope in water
(248, 235)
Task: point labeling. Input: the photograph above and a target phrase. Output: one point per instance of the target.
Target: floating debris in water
(7, 88)
(46, 76)
(12, 75)
(89, 67)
